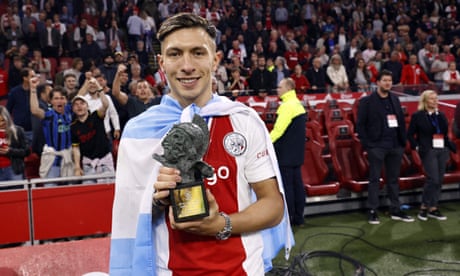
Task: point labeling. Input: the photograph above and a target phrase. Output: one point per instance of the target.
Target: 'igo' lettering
(221, 173)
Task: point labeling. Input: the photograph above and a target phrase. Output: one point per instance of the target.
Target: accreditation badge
(438, 141)
(392, 121)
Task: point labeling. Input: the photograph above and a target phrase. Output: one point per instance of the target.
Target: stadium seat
(348, 159)
(335, 117)
(452, 174)
(411, 175)
(31, 166)
(315, 170)
(53, 63)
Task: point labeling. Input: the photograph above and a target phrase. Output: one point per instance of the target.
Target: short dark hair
(58, 89)
(383, 73)
(183, 21)
(25, 72)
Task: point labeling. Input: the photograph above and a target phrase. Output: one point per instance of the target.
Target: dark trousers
(391, 159)
(434, 162)
(294, 192)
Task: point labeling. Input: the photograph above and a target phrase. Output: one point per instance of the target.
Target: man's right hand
(166, 180)
(33, 83)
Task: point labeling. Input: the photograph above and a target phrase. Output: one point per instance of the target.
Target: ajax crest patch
(235, 143)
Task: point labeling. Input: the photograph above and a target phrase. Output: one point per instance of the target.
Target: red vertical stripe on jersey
(203, 255)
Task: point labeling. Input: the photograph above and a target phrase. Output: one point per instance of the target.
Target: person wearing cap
(90, 146)
(90, 91)
(56, 159)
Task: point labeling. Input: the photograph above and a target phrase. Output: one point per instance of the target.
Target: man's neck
(382, 93)
(83, 118)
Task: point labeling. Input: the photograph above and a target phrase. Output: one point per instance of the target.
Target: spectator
(59, 76)
(291, 56)
(269, 202)
(280, 71)
(288, 137)
(90, 145)
(27, 19)
(317, 77)
(150, 30)
(451, 79)
(236, 51)
(135, 29)
(394, 65)
(56, 158)
(137, 103)
(221, 74)
(430, 139)
(426, 57)
(237, 84)
(80, 32)
(163, 9)
(14, 72)
(360, 77)
(108, 68)
(41, 65)
(301, 82)
(382, 131)
(14, 35)
(50, 40)
(70, 85)
(261, 78)
(18, 103)
(413, 76)
(305, 57)
(13, 148)
(3, 83)
(369, 53)
(337, 75)
(38, 138)
(438, 67)
(89, 50)
(90, 91)
(114, 37)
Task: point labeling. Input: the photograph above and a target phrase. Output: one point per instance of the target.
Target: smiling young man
(244, 193)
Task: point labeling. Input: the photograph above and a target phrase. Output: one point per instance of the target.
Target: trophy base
(189, 201)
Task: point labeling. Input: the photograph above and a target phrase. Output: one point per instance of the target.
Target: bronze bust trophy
(183, 148)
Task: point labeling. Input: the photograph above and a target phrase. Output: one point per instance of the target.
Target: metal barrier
(44, 213)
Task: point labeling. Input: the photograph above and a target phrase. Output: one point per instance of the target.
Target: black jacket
(19, 149)
(290, 147)
(372, 123)
(421, 130)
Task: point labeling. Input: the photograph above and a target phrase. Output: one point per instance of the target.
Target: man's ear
(217, 59)
(160, 62)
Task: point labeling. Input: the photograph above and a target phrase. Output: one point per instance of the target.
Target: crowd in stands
(325, 46)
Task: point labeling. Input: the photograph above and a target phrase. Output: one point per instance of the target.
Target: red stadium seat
(315, 170)
(411, 175)
(348, 159)
(32, 165)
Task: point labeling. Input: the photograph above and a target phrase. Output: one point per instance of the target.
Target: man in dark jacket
(261, 78)
(382, 131)
(288, 137)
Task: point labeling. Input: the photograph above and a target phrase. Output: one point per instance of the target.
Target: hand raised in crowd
(121, 68)
(33, 83)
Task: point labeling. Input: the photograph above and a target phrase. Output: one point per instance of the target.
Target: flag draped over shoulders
(133, 248)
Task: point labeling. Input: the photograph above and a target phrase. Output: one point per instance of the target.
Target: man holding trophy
(198, 190)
